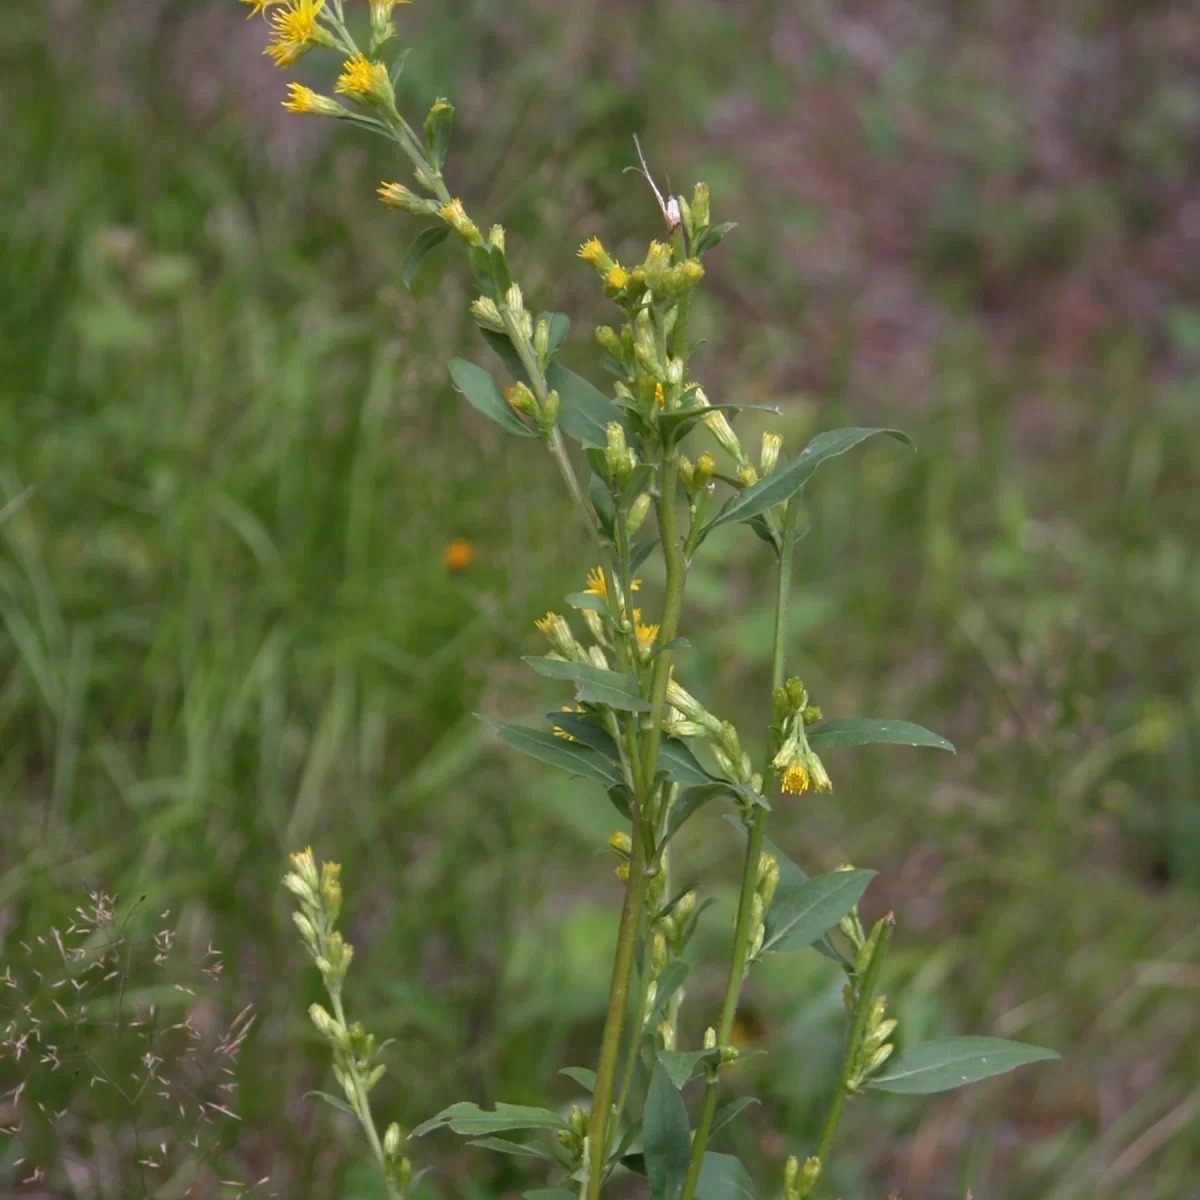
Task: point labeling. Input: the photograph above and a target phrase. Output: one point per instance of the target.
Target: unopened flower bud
(514, 299)
(392, 1140)
(520, 398)
(730, 1054)
(705, 466)
(810, 1174)
(797, 695)
(790, 1171)
(557, 632)
(610, 342)
(622, 872)
(541, 338)
(747, 475)
(658, 957)
(578, 1120)
(621, 842)
(550, 411)
(684, 907)
(374, 1076)
(486, 313)
(438, 125)
(675, 371)
(456, 217)
(768, 456)
(700, 207)
(878, 1059)
(298, 886)
(710, 1038)
(637, 513)
(307, 932)
(768, 878)
(687, 473)
(811, 714)
(396, 195)
(692, 271)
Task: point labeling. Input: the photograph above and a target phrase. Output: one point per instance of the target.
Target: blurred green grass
(227, 629)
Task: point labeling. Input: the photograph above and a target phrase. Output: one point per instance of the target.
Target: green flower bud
(496, 237)
(768, 455)
(438, 125)
(550, 411)
(705, 466)
(700, 207)
(610, 342)
(710, 1038)
(392, 1140)
(637, 513)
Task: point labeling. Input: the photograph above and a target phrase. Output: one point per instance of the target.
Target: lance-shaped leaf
(689, 801)
(558, 325)
(583, 410)
(723, 1177)
(423, 243)
(595, 686)
(473, 1121)
(484, 396)
(865, 731)
(730, 1112)
(950, 1062)
(669, 981)
(582, 730)
(516, 1149)
(784, 483)
(801, 913)
(677, 760)
(557, 752)
(666, 1136)
(584, 1076)
(683, 1065)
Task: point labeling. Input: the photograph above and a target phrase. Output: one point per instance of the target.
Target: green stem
(618, 997)
(363, 1105)
(754, 842)
(610, 1046)
(862, 1010)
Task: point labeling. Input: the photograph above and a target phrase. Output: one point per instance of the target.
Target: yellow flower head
(294, 31)
(592, 251)
(659, 398)
(616, 278)
(646, 634)
(362, 79)
(300, 99)
(799, 768)
(258, 6)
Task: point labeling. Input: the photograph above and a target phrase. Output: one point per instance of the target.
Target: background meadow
(233, 465)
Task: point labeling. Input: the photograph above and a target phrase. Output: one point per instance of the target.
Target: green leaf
(582, 1076)
(602, 502)
(484, 396)
(438, 126)
(516, 1149)
(507, 354)
(595, 686)
(951, 1062)
(590, 600)
(398, 66)
(499, 268)
(333, 1101)
(730, 1112)
(689, 801)
(864, 731)
(582, 730)
(680, 764)
(789, 480)
(713, 237)
(670, 980)
(666, 1135)
(801, 913)
(423, 243)
(557, 752)
(481, 268)
(473, 1121)
(583, 409)
(722, 1177)
(683, 1065)
(559, 325)
(641, 551)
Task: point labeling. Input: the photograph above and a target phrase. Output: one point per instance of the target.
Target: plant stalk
(754, 842)
(635, 891)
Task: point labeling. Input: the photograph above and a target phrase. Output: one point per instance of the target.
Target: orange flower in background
(458, 555)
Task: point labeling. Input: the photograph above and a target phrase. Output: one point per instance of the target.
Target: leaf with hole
(484, 396)
(948, 1063)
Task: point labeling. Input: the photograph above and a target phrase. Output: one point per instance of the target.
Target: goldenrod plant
(634, 728)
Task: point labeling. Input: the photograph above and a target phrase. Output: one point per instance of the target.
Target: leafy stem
(754, 843)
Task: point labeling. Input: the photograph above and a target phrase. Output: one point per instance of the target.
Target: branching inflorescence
(634, 729)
